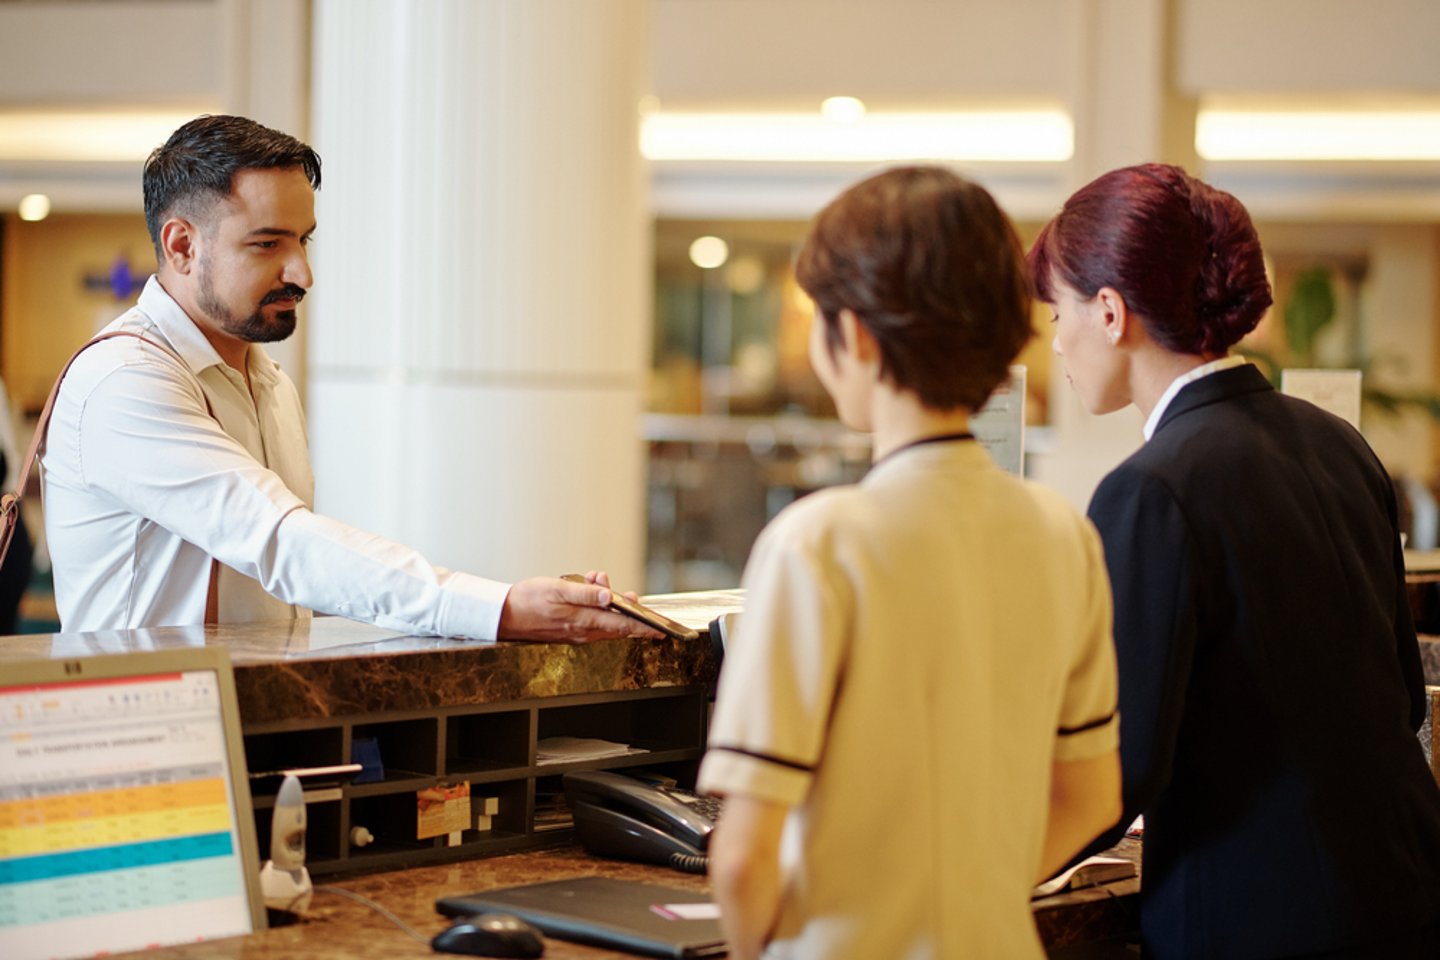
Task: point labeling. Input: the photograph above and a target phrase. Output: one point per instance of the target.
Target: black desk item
(602, 912)
(490, 935)
(634, 819)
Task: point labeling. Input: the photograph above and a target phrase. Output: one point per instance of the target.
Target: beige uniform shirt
(915, 652)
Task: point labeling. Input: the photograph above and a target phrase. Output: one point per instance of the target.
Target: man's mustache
(287, 292)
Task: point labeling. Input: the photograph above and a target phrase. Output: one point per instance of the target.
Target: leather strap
(43, 424)
(10, 502)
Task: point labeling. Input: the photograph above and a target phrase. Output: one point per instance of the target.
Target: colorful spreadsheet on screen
(117, 821)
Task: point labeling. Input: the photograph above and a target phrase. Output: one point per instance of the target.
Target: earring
(1113, 337)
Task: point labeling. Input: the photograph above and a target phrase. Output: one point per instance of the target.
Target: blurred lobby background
(554, 325)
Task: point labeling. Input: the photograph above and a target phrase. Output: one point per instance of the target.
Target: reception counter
(428, 711)
(338, 927)
(425, 712)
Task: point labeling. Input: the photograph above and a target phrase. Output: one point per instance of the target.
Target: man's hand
(548, 608)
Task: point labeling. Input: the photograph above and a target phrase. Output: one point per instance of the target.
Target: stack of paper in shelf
(1090, 872)
(571, 749)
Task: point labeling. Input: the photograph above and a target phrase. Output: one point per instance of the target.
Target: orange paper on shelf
(441, 809)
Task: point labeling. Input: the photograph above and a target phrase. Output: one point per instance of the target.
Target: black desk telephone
(653, 822)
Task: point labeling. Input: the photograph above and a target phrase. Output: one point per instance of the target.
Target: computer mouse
(490, 935)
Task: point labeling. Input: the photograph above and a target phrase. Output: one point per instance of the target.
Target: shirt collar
(188, 340)
(1188, 377)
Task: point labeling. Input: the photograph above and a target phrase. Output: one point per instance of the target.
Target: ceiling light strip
(54, 137)
(1002, 136)
(1318, 135)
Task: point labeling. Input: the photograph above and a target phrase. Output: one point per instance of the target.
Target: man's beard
(255, 328)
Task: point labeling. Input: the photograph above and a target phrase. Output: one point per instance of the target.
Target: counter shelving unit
(493, 746)
(440, 710)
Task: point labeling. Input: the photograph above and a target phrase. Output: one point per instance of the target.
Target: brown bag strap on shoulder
(10, 502)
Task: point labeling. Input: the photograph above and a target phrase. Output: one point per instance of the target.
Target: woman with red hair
(1270, 683)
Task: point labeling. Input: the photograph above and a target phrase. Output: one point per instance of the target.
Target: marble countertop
(328, 666)
(340, 928)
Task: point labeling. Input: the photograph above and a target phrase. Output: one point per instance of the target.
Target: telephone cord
(689, 863)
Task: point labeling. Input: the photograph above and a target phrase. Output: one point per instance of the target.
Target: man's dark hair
(197, 165)
(930, 266)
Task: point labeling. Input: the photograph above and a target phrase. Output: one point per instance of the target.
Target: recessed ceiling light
(707, 253)
(34, 207)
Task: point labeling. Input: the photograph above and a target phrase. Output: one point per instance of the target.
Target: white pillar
(1401, 302)
(1126, 111)
(265, 63)
(480, 321)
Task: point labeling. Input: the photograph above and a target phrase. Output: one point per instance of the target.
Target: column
(265, 63)
(1400, 302)
(479, 328)
(1126, 110)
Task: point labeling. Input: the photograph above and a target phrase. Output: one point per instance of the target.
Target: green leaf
(1310, 309)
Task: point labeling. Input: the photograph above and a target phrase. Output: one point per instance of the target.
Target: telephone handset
(620, 816)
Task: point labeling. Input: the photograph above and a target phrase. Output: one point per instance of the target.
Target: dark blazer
(1270, 683)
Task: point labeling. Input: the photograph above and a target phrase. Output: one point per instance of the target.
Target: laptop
(125, 818)
(641, 918)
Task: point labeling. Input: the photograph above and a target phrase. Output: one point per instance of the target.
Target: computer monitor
(125, 818)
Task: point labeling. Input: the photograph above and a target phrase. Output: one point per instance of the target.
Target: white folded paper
(571, 749)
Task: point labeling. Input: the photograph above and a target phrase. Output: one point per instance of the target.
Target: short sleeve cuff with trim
(728, 771)
(1088, 741)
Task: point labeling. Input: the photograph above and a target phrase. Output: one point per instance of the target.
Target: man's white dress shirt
(144, 482)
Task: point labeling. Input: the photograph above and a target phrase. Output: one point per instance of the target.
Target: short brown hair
(932, 268)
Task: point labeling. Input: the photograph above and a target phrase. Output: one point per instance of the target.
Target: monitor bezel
(141, 663)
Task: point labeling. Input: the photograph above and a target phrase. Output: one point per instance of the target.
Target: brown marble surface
(338, 927)
(1428, 731)
(328, 666)
(1430, 658)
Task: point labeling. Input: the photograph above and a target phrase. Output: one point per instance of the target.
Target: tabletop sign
(1000, 424)
(1334, 391)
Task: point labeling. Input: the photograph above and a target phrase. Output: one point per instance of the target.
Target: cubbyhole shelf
(658, 724)
(492, 746)
(513, 816)
(391, 820)
(408, 748)
(322, 830)
(269, 753)
(486, 744)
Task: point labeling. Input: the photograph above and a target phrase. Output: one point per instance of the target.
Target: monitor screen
(121, 826)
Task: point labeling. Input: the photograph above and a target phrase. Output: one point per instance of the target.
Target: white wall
(889, 51)
(124, 52)
(1308, 47)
